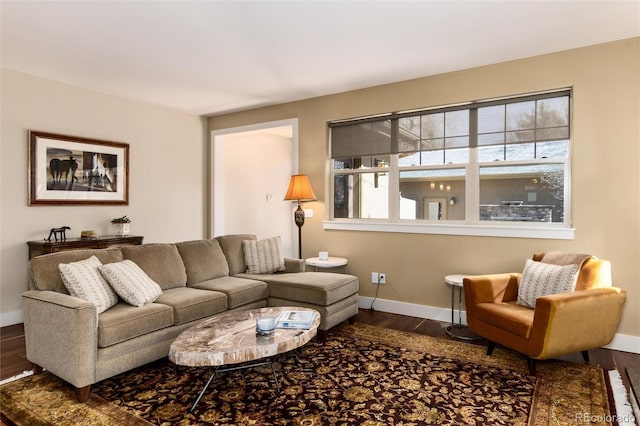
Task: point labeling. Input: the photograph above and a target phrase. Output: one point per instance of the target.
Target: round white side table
(329, 263)
(458, 331)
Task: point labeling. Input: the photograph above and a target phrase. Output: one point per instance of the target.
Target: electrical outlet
(378, 278)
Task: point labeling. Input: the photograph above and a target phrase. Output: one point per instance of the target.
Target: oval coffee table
(231, 339)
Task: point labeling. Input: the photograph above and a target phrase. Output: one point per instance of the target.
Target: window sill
(541, 231)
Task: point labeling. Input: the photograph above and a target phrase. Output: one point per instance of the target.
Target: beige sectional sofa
(66, 336)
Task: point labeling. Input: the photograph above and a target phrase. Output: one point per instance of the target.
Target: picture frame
(67, 170)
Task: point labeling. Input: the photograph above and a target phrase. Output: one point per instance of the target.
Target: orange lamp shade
(300, 189)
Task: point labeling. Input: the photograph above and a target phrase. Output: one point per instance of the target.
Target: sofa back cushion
(161, 262)
(203, 260)
(44, 274)
(232, 248)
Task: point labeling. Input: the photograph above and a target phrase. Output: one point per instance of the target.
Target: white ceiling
(212, 57)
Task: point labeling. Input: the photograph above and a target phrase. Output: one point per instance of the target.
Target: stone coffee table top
(232, 339)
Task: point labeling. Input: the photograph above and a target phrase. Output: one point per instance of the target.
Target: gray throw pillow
(263, 256)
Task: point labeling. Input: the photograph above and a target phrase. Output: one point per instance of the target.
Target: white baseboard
(620, 342)
(11, 318)
(411, 309)
(625, 343)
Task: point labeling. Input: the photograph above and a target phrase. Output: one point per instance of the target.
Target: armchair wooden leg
(532, 366)
(322, 336)
(83, 393)
(36, 369)
(490, 347)
(585, 356)
(352, 320)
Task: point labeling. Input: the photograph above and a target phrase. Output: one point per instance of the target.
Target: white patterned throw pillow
(263, 256)
(542, 279)
(131, 283)
(83, 280)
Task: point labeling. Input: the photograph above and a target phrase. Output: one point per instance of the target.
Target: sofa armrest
(61, 335)
(294, 265)
(494, 288)
(573, 322)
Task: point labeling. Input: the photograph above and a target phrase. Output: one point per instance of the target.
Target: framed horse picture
(75, 170)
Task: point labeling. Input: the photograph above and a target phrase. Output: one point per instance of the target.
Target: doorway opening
(250, 169)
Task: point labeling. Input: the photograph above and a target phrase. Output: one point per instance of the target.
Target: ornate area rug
(361, 375)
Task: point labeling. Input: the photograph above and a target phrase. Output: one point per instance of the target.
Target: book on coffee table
(296, 319)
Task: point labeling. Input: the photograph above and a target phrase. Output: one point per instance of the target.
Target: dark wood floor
(13, 359)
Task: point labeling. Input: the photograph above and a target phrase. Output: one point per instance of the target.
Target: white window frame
(471, 226)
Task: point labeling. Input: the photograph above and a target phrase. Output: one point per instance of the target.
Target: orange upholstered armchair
(558, 324)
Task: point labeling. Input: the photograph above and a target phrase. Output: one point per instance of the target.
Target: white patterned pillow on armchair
(542, 279)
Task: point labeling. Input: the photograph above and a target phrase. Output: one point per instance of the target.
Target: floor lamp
(299, 190)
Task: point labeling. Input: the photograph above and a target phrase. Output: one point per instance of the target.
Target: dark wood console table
(36, 248)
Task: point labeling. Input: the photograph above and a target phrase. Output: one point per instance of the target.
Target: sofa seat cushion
(318, 288)
(123, 322)
(510, 316)
(239, 291)
(203, 260)
(190, 304)
(162, 262)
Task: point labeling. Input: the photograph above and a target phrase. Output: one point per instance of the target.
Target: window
(499, 164)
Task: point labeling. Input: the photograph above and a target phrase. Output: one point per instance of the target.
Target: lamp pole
(298, 217)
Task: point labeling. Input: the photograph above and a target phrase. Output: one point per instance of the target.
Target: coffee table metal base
(239, 367)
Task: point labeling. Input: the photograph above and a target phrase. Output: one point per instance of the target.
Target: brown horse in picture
(58, 167)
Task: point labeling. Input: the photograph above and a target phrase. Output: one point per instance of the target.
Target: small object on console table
(88, 235)
(58, 231)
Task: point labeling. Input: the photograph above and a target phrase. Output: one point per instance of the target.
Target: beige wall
(168, 160)
(606, 180)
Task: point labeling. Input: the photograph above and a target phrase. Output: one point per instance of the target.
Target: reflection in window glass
(521, 115)
(432, 126)
(378, 161)
(491, 119)
(554, 149)
(432, 194)
(361, 196)
(528, 193)
(553, 112)
(456, 123)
